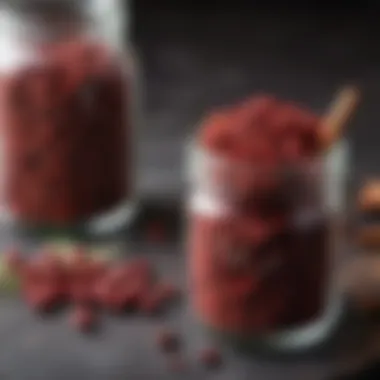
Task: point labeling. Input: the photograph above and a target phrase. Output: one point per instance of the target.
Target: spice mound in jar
(66, 129)
(258, 261)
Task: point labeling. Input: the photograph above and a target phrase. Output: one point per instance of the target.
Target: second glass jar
(66, 118)
(264, 248)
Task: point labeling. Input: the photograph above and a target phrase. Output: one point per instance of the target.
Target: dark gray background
(196, 57)
(193, 59)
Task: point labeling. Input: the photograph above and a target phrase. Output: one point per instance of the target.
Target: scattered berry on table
(168, 341)
(14, 260)
(176, 364)
(211, 358)
(83, 318)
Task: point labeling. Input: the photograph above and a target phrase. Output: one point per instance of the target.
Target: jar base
(308, 336)
(106, 223)
(114, 220)
(296, 339)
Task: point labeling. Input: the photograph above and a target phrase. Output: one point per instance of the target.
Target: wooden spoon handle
(339, 113)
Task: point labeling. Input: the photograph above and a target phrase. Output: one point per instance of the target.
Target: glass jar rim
(53, 6)
(195, 147)
(42, 21)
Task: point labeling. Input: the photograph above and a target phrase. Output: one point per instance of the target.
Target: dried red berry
(114, 302)
(117, 276)
(79, 262)
(115, 292)
(41, 299)
(292, 149)
(14, 260)
(99, 268)
(141, 268)
(84, 274)
(83, 318)
(141, 276)
(255, 111)
(168, 341)
(151, 303)
(217, 136)
(81, 293)
(44, 281)
(176, 364)
(102, 291)
(153, 300)
(211, 358)
(122, 300)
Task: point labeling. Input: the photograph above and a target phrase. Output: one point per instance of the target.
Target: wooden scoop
(335, 120)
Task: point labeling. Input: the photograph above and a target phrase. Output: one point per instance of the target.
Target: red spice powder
(252, 269)
(66, 131)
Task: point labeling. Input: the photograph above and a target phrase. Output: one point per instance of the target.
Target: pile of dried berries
(48, 281)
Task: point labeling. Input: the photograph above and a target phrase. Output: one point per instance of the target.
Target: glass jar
(264, 248)
(112, 20)
(67, 115)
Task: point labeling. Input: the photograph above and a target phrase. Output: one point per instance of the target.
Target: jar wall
(66, 124)
(111, 20)
(268, 274)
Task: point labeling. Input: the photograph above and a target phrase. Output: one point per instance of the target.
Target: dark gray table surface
(192, 62)
(47, 347)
